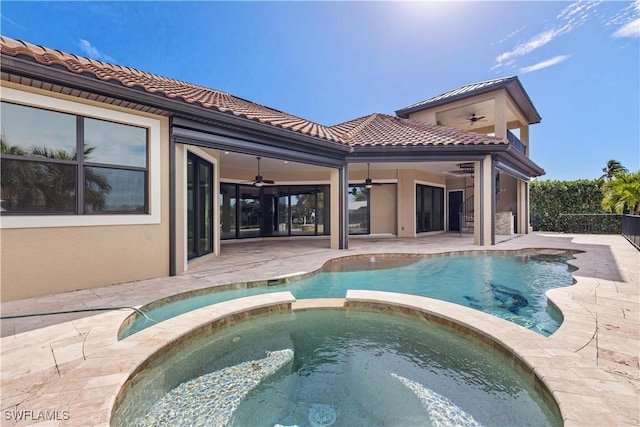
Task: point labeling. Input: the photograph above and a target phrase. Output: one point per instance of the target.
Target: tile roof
(170, 88)
(512, 84)
(385, 130)
(373, 130)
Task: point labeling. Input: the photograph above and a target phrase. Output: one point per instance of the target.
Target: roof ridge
(348, 135)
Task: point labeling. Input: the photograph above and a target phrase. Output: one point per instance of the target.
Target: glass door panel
(228, 202)
(283, 215)
(249, 211)
(199, 206)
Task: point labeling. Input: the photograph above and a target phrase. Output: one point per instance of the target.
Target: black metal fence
(627, 225)
(590, 223)
(631, 229)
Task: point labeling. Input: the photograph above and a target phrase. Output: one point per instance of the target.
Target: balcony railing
(516, 143)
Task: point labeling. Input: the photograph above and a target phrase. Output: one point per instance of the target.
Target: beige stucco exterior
(43, 259)
(51, 254)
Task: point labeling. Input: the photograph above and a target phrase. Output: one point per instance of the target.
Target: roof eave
(511, 85)
(421, 153)
(114, 89)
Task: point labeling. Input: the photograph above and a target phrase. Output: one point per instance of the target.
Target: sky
(330, 62)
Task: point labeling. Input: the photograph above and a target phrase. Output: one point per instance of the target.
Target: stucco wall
(51, 259)
(384, 218)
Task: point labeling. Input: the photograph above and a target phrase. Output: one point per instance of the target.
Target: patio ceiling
(269, 165)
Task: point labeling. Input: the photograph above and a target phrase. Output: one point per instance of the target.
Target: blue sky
(335, 61)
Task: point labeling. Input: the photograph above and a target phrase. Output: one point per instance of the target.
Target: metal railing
(516, 143)
(631, 229)
(590, 223)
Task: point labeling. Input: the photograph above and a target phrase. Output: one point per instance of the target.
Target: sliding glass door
(199, 206)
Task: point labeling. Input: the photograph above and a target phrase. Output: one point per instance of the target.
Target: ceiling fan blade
(259, 181)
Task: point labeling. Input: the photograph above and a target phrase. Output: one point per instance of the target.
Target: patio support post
(172, 205)
(523, 207)
(339, 208)
(344, 207)
(501, 115)
(483, 201)
(494, 174)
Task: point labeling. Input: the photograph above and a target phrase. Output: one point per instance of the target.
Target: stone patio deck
(71, 364)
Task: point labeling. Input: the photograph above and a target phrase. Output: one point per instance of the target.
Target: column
(483, 215)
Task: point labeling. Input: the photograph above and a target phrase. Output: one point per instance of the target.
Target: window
(248, 211)
(429, 208)
(42, 172)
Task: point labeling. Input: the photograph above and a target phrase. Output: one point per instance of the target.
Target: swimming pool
(511, 286)
(334, 366)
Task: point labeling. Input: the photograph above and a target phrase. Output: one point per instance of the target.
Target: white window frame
(71, 107)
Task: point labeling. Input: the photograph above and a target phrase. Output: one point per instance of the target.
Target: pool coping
(589, 389)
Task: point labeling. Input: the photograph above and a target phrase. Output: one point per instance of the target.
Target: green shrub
(550, 199)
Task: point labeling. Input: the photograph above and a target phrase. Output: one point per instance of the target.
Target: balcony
(516, 143)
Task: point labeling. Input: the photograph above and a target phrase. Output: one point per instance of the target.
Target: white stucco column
(406, 203)
(482, 199)
(501, 114)
(523, 207)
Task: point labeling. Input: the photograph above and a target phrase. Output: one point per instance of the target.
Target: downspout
(344, 207)
(493, 199)
(172, 201)
(481, 198)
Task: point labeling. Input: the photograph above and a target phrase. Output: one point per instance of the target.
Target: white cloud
(569, 18)
(630, 29)
(628, 21)
(92, 52)
(544, 64)
(11, 21)
(508, 36)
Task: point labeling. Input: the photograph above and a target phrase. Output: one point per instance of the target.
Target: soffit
(511, 84)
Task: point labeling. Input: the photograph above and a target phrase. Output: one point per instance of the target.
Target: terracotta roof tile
(372, 130)
(170, 88)
(384, 130)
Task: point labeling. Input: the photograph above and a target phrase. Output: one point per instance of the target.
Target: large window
(43, 172)
(248, 211)
(429, 208)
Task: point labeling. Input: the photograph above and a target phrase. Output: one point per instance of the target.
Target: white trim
(155, 188)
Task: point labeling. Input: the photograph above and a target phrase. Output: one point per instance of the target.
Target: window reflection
(34, 187)
(115, 143)
(26, 128)
(42, 172)
(114, 190)
(429, 208)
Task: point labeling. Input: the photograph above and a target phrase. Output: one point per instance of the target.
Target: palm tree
(613, 167)
(33, 185)
(622, 194)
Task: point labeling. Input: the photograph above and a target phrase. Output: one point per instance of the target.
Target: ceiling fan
(473, 118)
(368, 183)
(259, 181)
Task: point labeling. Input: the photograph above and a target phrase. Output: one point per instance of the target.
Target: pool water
(334, 367)
(510, 286)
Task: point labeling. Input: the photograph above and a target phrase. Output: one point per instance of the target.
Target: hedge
(550, 199)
